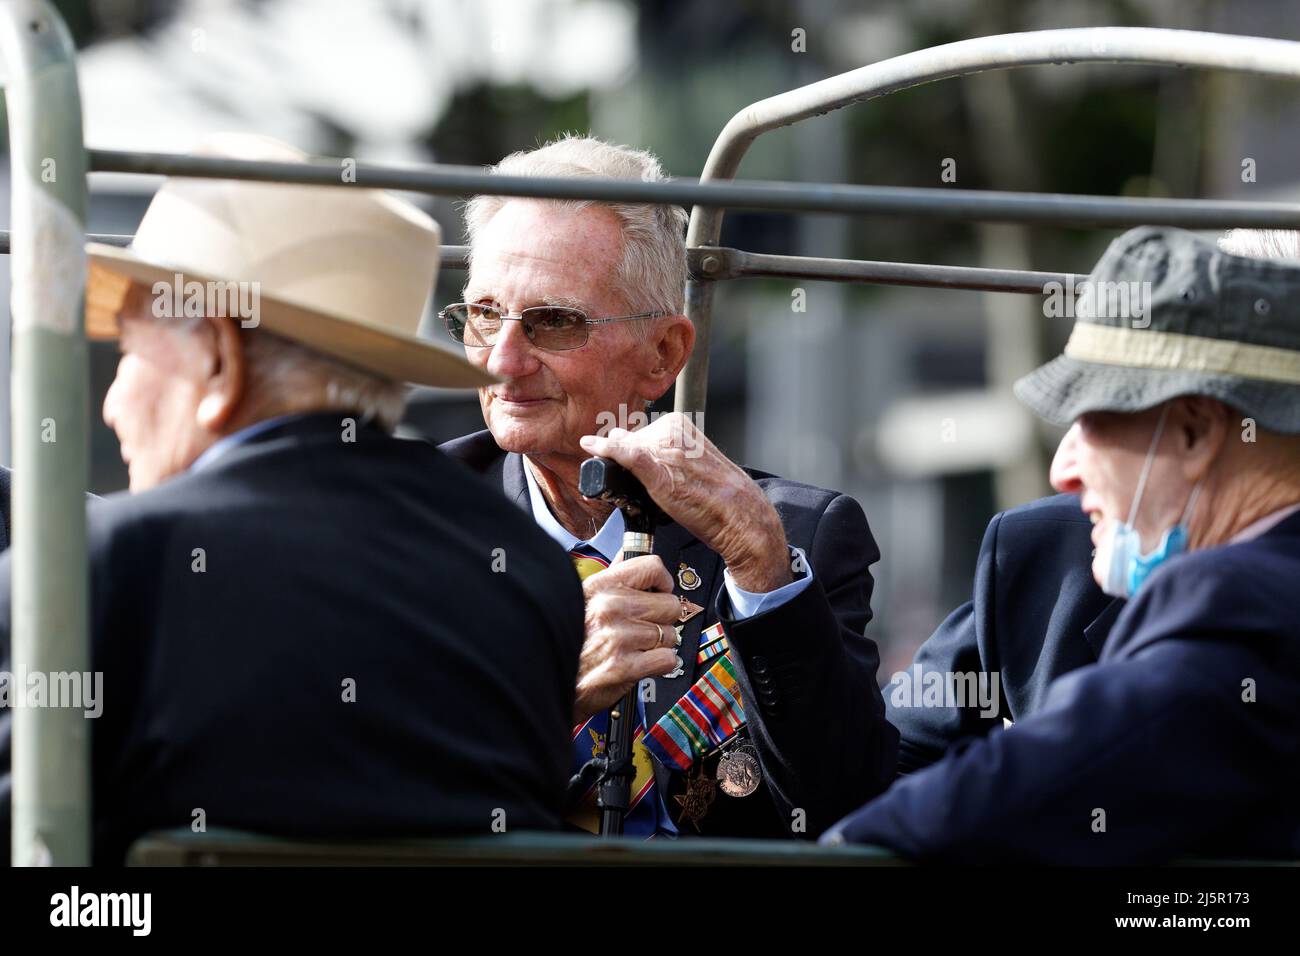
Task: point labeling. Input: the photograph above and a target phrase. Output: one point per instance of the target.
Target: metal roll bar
(1279, 58)
(50, 745)
(960, 204)
(6, 240)
(713, 263)
(716, 263)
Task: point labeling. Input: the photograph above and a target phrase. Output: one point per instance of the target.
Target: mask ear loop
(1146, 467)
(1191, 501)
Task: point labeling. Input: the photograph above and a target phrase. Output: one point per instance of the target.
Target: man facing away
(305, 626)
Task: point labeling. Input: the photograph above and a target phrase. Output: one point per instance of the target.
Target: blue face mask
(1127, 568)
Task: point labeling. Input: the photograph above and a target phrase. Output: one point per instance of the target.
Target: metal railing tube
(50, 744)
(931, 203)
(1279, 58)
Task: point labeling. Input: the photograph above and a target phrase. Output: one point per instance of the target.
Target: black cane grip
(610, 481)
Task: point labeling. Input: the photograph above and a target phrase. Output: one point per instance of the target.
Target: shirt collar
(608, 540)
(235, 439)
(1264, 524)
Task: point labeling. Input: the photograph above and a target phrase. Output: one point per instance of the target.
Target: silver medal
(739, 773)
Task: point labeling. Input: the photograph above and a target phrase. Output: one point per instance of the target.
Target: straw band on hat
(1214, 324)
(343, 270)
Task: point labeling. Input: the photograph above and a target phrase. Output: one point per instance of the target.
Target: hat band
(1173, 351)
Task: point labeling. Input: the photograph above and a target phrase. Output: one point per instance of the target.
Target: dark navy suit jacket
(1035, 614)
(1184, 738)
(806, 671)
(324, 561)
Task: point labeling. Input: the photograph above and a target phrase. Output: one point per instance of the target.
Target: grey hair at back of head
(282, 372)
(284, 376)
(1261, 243)
(652, 273)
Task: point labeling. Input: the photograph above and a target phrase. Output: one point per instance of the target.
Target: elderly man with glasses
(1184, 450)
(759, 711)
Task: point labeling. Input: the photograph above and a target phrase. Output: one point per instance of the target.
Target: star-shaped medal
(700, 793)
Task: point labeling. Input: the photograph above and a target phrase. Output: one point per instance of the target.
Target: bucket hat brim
(1066, 388)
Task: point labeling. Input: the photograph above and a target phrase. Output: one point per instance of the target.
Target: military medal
(699, 796)
(705, 718)
(688, 578)
(713, 641)
(739, 773)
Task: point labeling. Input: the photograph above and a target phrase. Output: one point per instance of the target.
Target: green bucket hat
(1166, 313)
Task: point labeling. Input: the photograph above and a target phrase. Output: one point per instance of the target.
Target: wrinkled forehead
(537, 253)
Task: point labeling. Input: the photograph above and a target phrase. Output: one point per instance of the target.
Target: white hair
(1261, 243)
(652, 273)
(283, 373)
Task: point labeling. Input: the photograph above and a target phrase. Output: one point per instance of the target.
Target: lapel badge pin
(687, 610)
(688, 578)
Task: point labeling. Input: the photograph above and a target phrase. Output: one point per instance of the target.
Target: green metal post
(51, 745)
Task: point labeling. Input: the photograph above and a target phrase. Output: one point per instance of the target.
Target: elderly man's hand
(631, 611)
(706, 493)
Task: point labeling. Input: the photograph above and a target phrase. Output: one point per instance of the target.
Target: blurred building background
(900, 397)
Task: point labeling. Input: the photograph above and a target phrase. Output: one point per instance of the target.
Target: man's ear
(673, 343)
(1201, 427)
(224, 387)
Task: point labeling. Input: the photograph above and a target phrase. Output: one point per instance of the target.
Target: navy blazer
(806, 671)
(1035, 614)
(1184, 738)
(349, 658)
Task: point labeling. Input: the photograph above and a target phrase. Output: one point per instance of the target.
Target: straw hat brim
(402, 358)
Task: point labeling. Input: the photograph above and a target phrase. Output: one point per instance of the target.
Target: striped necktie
(589, 737)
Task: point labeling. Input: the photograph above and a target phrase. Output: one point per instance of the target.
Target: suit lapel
(708, 566)
(512, 479)
(679, 551)
(1097, 632)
